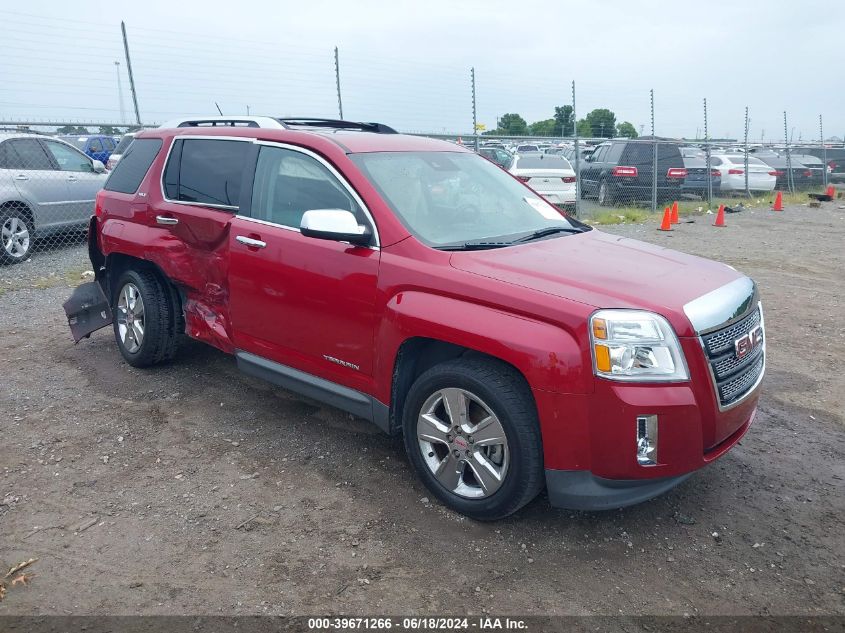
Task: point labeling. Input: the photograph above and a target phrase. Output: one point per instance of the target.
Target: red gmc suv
(411, 282)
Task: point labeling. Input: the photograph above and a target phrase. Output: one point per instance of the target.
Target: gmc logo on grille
(744, 345)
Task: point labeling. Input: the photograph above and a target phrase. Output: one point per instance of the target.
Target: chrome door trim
(340, 178)
(166, 221)
(225, 207)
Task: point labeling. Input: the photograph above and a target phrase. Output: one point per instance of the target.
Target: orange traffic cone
(778, 202)
(675, 218)
(831, 191)
(720, 216)
(666, 225)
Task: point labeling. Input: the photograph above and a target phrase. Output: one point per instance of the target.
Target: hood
(604, 271)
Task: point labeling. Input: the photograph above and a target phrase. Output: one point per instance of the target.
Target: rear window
(543, 162)
(528, 148)
(78, 142)
(130, 171)
(205, 171)
(643, 154)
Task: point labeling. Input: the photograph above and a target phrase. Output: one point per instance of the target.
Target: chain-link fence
(51, 166)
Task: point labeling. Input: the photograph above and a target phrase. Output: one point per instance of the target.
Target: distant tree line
(108, 130)
(600, 123)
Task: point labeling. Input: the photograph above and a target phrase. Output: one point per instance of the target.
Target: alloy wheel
(130, 317)
(463, 443)
(15, 237)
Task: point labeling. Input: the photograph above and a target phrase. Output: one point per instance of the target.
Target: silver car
(46, 186)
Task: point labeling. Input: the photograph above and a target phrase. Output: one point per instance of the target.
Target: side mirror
(98, 167)
(334, 224)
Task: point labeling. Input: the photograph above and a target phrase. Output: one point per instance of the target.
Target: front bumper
(582, 490)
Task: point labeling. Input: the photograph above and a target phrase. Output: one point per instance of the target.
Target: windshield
(448, 198)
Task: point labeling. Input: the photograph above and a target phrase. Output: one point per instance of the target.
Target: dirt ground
(194, 489)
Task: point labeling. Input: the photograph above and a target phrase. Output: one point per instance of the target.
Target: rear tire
(605, 196)
(146, 324)
(16, 235)
(489, 464)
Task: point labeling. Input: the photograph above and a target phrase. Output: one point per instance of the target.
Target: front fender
(550, 358)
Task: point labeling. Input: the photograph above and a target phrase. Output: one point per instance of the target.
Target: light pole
(120, 93)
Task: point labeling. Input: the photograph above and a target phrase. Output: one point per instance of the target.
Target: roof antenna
(218, 109)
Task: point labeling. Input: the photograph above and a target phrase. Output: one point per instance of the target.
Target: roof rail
(378, 128)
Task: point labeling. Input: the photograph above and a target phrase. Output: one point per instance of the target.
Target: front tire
(145, 319)
(16, 235)
(472, 434)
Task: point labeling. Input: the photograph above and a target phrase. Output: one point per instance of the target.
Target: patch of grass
(620, 215)
(638, 215)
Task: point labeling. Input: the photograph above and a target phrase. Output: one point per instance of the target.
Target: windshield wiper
(546, 232)
(473, 246)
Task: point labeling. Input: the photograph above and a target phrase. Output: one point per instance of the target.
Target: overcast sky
(407, 63)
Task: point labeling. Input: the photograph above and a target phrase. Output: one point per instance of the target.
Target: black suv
(621, 171)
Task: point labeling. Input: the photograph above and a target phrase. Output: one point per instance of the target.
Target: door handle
(21, 177)
(250, 242)
(72, 178)
(163, 219)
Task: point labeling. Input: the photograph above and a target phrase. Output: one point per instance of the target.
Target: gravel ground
(194, 489)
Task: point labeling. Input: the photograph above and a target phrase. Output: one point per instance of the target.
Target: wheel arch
(22, 206)
(418, 354)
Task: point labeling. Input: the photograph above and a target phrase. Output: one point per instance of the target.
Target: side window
(26, 154)
(69, 159)
(206, 171)
(289, 183)
(4, 161)
(130, 171)
(599, 154)
(615, 153)
(108, 143)
(95, 146)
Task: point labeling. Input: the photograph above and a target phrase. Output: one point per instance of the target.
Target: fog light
(647, 440)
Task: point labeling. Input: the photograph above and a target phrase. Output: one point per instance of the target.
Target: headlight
(634, 345)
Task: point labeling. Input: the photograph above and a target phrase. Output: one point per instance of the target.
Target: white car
(761, 177)
(549, 175)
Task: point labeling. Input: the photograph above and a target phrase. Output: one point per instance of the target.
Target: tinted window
(68, 158)
(130, 171)
(289, 183)
(125, 142)
(206, 171)
(27, 153)
(615, 153)
(598, 155)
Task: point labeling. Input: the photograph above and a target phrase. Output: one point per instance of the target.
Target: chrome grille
(734, 377)
(733, 389)
(724, 366)
(723, 340)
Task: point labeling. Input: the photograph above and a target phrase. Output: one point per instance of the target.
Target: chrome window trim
(343, 182)
(723, 306)
(178, 137)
